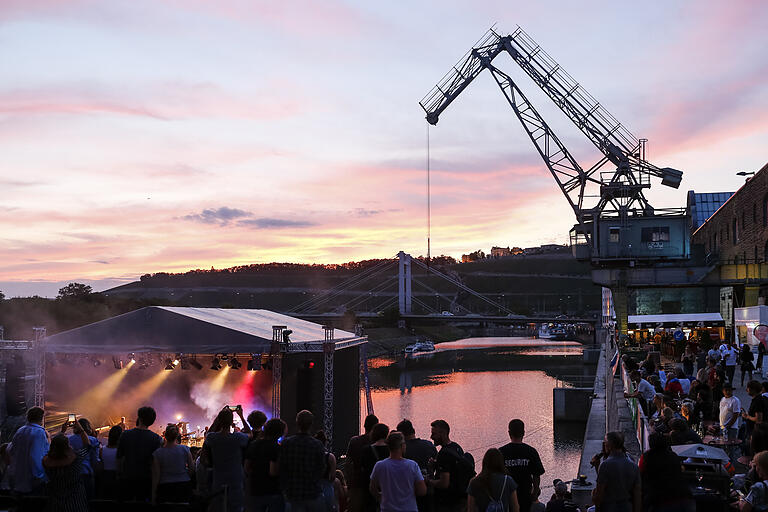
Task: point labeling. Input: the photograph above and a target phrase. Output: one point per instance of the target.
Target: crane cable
(429, 204)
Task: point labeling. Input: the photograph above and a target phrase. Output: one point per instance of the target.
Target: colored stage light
(215, 363)
(254, 364)
(170, 364)
(309, 364)
(132, 357)
(234, 363)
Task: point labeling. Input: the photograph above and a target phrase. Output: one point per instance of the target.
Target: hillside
(523, 284)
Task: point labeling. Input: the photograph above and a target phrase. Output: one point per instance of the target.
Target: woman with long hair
(106, 477)
(492, 484)
(172, 467)
(66, 488)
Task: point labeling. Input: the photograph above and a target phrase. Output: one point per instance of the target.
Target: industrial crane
(619, 193)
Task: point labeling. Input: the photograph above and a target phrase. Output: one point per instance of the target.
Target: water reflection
(477, 386)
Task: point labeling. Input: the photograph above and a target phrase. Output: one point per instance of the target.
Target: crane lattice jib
(623, 188)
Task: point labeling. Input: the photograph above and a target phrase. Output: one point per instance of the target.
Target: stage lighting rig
(234, 363)
(216, 363)
(170, 364)
(132, 357)
(194, 363)
(254, 364)
(117, 362)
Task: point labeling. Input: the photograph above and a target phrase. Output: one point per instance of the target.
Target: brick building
(737, 233)
(500, 252)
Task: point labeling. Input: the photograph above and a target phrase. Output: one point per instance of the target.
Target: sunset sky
(147, 136)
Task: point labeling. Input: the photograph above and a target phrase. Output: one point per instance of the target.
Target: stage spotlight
(234, 363)
(309, 365)
(194, 363)
(132, 357)
(117, 362)
(170, 364)
(254, 364)
(216, 363)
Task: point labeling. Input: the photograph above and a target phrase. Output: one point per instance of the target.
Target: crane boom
(621, 189)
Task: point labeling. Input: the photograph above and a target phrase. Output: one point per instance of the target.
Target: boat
(420, 346)
(558, 332)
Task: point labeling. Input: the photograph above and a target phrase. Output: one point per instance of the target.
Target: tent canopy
(684, 319)
(191, 331)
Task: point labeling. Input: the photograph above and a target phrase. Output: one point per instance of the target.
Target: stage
(188, 363)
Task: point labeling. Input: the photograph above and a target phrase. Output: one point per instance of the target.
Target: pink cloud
(163, 101)
(306, 18)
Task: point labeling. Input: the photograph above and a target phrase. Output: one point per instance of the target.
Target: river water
(477, 385)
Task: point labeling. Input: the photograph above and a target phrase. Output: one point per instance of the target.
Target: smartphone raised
(232, 408)
(71, 418)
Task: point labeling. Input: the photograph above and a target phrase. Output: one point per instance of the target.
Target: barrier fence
(639, 420)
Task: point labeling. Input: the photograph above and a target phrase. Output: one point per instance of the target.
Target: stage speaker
(305, 391)
(15, 396)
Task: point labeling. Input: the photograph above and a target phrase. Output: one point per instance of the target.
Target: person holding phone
(223, 451)
(64, 467)
(87, 449)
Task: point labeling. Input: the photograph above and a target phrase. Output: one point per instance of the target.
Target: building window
(735, 227)
(765, 211)
(613, 235)
(655, 234)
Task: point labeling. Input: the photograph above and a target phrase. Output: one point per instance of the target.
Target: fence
(639, 420)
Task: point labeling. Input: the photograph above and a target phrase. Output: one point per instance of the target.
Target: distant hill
(524, 284)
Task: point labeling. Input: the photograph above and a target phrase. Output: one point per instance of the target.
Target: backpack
(465, 470)
(497, 505)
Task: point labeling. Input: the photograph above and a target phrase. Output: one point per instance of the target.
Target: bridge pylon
(404, 283)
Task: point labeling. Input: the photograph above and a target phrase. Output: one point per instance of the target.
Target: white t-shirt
(729, 354)
(396, 478)
(728, 407)
(647, 390)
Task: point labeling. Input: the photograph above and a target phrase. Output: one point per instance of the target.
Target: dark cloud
(226, 216)
(272, 223)
(222, 215)
(363, 212)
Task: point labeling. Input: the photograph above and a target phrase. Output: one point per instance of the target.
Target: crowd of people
(687, 407)
(257, 467)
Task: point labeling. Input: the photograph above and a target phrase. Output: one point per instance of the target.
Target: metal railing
(639, 420)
